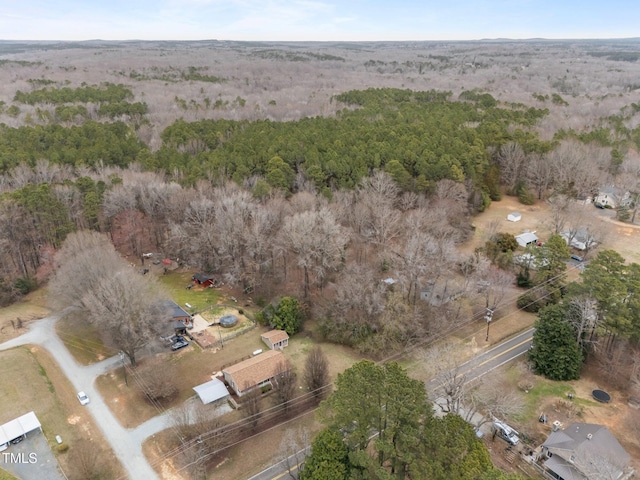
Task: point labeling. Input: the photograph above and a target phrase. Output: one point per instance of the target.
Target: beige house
(275, 339)
(254, 372)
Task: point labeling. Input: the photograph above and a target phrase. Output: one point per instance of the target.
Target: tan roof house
(275, 339)
(254, 372)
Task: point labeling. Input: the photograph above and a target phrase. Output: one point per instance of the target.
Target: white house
(611, 197)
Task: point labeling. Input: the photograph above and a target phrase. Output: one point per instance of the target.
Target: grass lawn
(4, 475)
(31, 380)
(82, 340)
(193, 366)
(175, 284)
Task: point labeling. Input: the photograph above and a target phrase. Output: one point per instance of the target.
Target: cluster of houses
(257, 371)
(580, 452)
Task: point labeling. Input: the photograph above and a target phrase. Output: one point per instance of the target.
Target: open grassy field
(199, 298)
(31, 380)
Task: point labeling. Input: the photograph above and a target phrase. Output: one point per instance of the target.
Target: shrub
(25, 285)
(63, 447)
(530, 302)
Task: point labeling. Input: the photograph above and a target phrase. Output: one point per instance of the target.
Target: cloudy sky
(316, 19)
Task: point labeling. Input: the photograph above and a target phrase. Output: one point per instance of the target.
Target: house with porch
(275, 339)
(585, 451)
(255, 372)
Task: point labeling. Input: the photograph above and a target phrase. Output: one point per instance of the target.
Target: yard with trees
(339, 187)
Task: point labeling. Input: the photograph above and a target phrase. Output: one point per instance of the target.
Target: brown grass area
(82, 340)
(32, 307)
(194, 366)
(239, 461)
(31, 380)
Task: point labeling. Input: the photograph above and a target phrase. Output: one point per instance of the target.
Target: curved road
(126, 443)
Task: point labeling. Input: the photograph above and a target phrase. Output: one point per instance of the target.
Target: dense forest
(328, 165)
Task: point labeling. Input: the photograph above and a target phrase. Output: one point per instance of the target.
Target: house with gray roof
(611, 197)
(526, 238)
(585, 451)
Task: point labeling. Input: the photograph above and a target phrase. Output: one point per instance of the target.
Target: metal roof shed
(211, 391)
(526, 238)
(19, 427)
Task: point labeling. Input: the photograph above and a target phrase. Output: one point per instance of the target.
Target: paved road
(473, 369)
(494, 358)
(285, 469)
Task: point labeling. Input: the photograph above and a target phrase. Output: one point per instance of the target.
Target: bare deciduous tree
(316, 372)
(252, 406)
(285, 384)
(158, 380)
(511, 158)
(317, 240)
(90, 277)
(292, 449)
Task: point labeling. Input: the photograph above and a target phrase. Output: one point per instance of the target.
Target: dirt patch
(15, 319)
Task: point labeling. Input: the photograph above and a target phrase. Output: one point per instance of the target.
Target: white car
(83, 397)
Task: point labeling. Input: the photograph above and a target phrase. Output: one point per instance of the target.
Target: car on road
(577, 258)
(177, 345)
(83, 398)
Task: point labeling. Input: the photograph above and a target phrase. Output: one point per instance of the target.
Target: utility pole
(124, 368)
(488, 317)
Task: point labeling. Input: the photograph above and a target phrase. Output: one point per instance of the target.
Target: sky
(317, 20)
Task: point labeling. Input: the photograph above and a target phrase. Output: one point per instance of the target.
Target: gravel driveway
(127, 447)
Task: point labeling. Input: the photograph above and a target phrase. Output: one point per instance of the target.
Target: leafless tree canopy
(316, 372)
(92, 278)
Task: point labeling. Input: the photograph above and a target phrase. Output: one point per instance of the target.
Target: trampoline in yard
(228, 321)
(601, 396)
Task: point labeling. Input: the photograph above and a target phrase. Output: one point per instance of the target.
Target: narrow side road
(127, 447)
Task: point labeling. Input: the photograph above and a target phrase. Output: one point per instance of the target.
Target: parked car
(170, 340)
(507, 433)
(577, 258)
(179, 344)
(83, 398)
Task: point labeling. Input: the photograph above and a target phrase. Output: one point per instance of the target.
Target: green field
(175, 284)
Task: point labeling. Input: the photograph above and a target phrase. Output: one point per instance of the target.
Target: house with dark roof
(585, 451)
(254, 372)
(179, 318)
(204, 280)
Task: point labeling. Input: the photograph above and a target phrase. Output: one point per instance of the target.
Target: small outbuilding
(212, 391)
(514, 217)
(203, 280)
(526, 238)
(275, 339)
